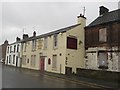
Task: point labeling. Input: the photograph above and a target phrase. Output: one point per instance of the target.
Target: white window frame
(45, 42)
(33, 60)
(54, 62)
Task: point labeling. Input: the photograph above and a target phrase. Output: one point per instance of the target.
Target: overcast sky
(45, 16)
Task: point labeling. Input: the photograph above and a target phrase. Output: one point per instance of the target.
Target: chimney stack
(103, 10)
(81, 20)
(17, 39)
(25, 36)
(6, 42)
(34, 33)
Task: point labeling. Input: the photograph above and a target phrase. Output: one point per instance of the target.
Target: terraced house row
(70, 48)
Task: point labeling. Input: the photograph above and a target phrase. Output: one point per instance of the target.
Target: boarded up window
(103, 35)
(33, 44)
(54, 62)
(33, 59)
(40, 43)
(71, 43)
(24, 60)
(102, 59)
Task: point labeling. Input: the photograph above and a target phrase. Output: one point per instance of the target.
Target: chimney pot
(17, 39)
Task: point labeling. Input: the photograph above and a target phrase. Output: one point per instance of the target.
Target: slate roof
(106, 18)
(52, 33)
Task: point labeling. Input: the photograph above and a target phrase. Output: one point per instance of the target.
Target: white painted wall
(12, 53)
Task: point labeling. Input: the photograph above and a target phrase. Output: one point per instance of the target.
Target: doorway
(42, 63)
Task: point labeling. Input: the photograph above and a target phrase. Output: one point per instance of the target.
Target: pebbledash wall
(60, 51)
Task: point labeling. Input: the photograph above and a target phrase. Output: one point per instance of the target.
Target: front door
(42, 63)
(16, 61)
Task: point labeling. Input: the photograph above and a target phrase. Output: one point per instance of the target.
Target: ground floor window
(54, 62)
(13, 59)
(7, 59)
(33, 60)
(24, 60)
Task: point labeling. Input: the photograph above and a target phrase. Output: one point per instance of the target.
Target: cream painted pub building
(60, 51)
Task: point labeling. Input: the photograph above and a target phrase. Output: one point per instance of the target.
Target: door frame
(42, 68)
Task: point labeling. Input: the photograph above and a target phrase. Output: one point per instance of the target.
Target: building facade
(60, 51)
(102, 41)
(13, 54)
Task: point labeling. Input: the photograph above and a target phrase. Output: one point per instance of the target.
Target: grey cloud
(45, 16)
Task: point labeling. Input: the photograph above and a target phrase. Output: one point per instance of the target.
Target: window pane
(71, 43)
(102, 35)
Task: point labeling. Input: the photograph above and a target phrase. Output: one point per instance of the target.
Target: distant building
(3, 50)
(102, 41)
(13, 54)
(60, 51)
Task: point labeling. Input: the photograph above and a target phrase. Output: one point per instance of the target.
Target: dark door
(42, 63)
(68, 70)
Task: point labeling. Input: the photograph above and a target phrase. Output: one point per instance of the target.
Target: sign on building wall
(102, 59)
(71, 43)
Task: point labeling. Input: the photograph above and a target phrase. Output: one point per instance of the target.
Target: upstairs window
(25, 46)
(54, 62)
(8, 50)
(33, 60)
(14, 48)
(13, 59)
(45, 42)
(71, 43)
(18, 48)
(55, 41)
(103, 35)
(33, 44)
